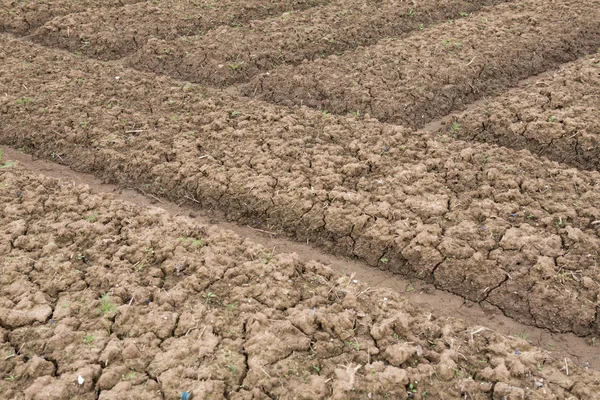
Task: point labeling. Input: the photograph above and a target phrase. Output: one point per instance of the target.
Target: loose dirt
(111, 34)
(482, 222)
(23, 16)
(423, 295)
(230, 55)
(102, 299)
(555, 116)
(414, 80)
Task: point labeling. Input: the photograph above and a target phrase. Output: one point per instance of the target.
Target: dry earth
(413, 137)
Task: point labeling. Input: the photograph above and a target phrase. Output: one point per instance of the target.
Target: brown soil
(138, 302)
(111, 34)
(438, 70)
(230, 55)
(101, 299)
(425, 296)
(22, 16)
(555, 116)
(482, 222)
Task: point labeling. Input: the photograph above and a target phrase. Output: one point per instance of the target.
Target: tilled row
(100, 299)
(483, 222)
(556, 116)
(227, 55)
(23, 16)
(435, 71)
(114, 32)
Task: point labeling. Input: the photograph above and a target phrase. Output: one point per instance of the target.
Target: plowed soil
(500, 206)
(22, 16)
(413, 80)
(231, 55)
(555, 117)
(111, 34)
(478, 221)
(101, 299)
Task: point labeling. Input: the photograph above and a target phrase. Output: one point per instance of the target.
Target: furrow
(555, 116)
(163, 315)
(23, 16)
(113, 33)
(229, 55)
(477, 212)
(416, 79)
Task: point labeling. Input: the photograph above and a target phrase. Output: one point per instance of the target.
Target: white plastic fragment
(80, 380)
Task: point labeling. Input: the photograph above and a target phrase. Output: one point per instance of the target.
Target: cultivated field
(415, 137)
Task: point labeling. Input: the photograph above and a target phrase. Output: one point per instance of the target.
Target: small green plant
(412, 388)
(7, 164)
(562, 277)
(484, 159)
(265, 257)
(89, 340)
(539, 367)
(209, 297)
(140, 266)
(455, 128)
(129, 377)
(234, 113)
(421, 26)
(316, 368)
(235, 66)
(523, 335)
(198, 243)
(464, 14)
(552, 119)
(232, 368)
(384, 260)
(410, 13)
(355, 345)
(106, 305)
(11, 378)
(195, 242)
(24, 101)
(92, 218)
